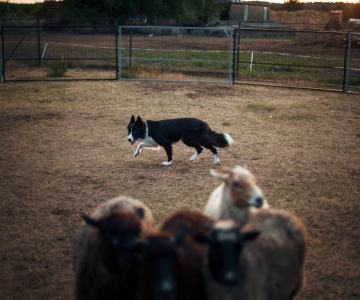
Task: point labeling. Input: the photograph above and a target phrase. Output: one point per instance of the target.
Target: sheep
(270, 267)
(204, 235)
(237, 197)
(159, 267)
(104, 258)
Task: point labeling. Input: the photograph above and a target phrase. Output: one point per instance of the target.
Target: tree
(176, 9)
(292, 5)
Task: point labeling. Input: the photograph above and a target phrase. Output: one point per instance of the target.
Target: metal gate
(185, 54)
(288, 58)
(353, 65)
(33, 53)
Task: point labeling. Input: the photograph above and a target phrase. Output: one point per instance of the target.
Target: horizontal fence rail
(59, 53)
(187, 54)
(302, 59)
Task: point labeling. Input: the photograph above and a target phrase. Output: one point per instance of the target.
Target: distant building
(237, 10)
(336, 16)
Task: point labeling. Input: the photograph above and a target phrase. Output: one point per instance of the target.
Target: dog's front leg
(138, 149)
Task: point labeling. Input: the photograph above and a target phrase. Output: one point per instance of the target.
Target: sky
(271, 1)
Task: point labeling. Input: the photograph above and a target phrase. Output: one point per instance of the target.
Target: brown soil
(64, 151)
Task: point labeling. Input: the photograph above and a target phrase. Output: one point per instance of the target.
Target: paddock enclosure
(325, 60)
(64, 151)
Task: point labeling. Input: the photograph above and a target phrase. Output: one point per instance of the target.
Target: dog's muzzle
(132, 141)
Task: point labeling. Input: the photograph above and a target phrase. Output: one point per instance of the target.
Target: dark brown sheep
(271, 266)
(104, 258)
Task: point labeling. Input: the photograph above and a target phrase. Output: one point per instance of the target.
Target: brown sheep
(104, 257)
(270, 267)
(205, 242)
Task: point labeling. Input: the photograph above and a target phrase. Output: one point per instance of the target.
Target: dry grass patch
(64, 150)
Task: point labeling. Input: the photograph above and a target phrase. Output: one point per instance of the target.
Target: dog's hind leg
(198, 151)
(169, 152)
(214, 151)
(190, 143)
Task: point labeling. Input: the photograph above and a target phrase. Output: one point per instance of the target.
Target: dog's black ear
(139, 121)
(132, 120)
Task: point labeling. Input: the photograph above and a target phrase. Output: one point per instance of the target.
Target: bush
(58, 68)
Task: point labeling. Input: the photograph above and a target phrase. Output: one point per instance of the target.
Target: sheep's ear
(250, 235)
(179, 235)
(140, 212)
(222, 175)
(139, 121)
(132, 120)
(90, 221)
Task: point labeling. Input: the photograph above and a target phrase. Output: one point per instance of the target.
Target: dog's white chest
(149, 141)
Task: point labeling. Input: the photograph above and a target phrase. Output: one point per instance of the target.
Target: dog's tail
(221, 140)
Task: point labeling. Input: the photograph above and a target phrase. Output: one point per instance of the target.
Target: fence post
(130, 47)
(233, 74)
(119, 53)
(116, 52)
(348, 65)
(345, 61)
(1, 57)
(38, 19)
(231, 42)
(2, 67)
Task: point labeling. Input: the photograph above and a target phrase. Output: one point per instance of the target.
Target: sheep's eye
(237, 185)
(115, 242)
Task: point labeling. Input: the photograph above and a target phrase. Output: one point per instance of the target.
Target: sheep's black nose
(230, 279)
(259, 202)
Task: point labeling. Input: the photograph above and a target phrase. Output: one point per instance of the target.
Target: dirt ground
(64, 151)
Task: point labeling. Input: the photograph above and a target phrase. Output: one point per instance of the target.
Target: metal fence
(301, 59)
(175, 54)
(59, 52)
(353, 65)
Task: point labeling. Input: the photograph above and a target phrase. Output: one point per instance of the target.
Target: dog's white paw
(192, 158)
(136, 154)
(166, 163)
(216, 162)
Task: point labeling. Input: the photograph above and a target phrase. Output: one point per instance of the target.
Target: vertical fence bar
(1, 61)
(348, 65)
(39, 40)
(238, 53)
(345, 61)
(3, 53)
(119, 53)
(231, 41)
(116, 51)
(234, 49)
(130, 47)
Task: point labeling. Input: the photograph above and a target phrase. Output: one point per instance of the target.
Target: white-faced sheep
(270, 267)
(237, 197)
(104, 259)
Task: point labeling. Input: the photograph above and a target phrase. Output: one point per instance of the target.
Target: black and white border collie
(193, 132)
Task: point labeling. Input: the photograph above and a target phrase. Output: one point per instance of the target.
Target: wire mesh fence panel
(353, 71)
(301, 59)
(60, 53)
(175, 54)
